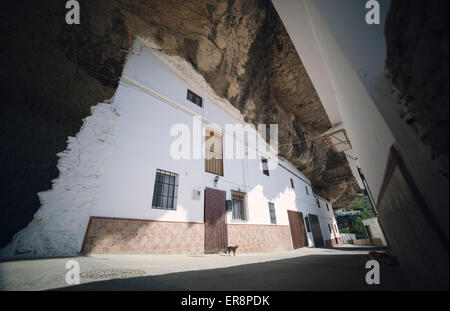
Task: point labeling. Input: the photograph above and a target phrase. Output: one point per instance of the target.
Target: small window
(273, 217)
(265, 166)
(307, 191)
(292, 184)
(191, 96)
(239, 212)
(329, 227)
(213, 153)
(308, 228)
(318, 203)
(337, 230)
(166, 189)
(328, 208)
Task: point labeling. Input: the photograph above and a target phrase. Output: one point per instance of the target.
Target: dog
(231, 249)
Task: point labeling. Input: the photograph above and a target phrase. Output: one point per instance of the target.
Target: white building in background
(374, 232)
(145, 200)
(341, 212)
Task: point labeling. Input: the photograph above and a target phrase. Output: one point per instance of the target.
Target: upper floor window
(213, 153)
(265, 166)
(165, 191)
(328, 208)
(329, 227)
(273, 217)
(292, 184)
(239, 211)
(318, 203)
(307, 191)
(191, 96)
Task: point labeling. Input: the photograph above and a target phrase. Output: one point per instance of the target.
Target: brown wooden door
(216, 236)
(298, 231)
(315, 228)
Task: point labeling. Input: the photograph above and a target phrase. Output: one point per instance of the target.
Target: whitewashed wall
(143, 143)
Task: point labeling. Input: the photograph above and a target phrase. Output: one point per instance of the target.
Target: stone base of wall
(259, 238)
(129, 236)
(332, 242)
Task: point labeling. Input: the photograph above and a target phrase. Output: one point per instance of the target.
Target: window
(166, 189)
(308, 228)
(273, 217)
(292, 184)
(239, 212)
(329, 227)
(328, 208)
(306, 189)
(213, 153)
(337, 230)
(265, 166)
(191, 96)
(318, 203)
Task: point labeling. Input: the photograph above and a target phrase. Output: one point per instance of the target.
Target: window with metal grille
(239, 212)
(308, 228)
(273, 216)
(292, 184)
(191, 96)
(213, 153)
(265, 166)
(166, 189)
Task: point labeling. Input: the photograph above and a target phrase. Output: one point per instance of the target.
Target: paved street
(303, 269)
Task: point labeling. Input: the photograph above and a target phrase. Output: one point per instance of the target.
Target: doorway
(315, 228)
(216, 235)
(298, 231)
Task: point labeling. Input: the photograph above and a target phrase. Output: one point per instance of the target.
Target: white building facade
(188, 213)
(150, 192)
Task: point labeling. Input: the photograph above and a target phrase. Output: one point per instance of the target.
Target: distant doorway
(216, 236)
(298, 231)
(315, 228)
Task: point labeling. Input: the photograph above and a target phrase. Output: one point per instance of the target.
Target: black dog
(231, 249)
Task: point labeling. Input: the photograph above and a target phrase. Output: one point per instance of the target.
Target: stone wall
(130, 236)
(412, 232)
(259, 238)
(332, 242)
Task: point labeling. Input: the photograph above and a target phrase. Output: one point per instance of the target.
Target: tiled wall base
(332, 242)
(127, 236)
(259, 238)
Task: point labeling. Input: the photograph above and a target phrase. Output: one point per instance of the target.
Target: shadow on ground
(313, 272)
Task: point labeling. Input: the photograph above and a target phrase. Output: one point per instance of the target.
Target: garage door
(315, 228)
(298, 231)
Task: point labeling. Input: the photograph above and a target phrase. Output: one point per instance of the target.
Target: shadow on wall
(313, 272)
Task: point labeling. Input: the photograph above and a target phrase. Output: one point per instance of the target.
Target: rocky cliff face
(417, 63)
(52, 73)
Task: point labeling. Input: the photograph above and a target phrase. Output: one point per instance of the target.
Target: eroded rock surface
(52, 73)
